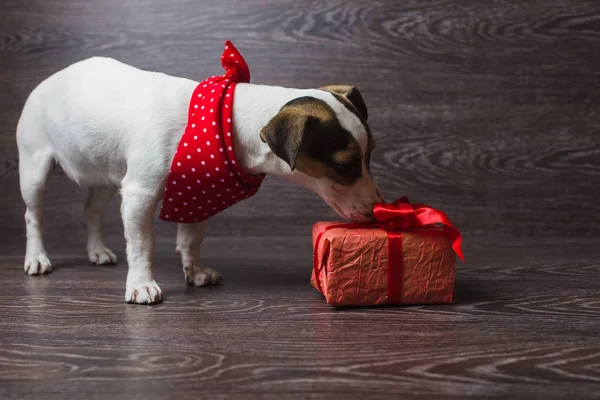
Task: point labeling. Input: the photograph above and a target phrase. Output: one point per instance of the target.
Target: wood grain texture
(485, 109)
(525, 326)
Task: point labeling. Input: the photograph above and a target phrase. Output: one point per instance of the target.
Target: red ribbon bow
(399, 216)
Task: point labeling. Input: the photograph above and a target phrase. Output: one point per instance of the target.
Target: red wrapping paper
(407, 257)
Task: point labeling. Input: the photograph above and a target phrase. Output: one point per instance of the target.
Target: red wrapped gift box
(407, 257)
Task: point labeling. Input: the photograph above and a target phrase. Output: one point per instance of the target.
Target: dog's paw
(143, 293)
(199, 276)
(101, 255)
(36, 264)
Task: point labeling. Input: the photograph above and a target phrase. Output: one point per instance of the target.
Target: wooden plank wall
(486, 109)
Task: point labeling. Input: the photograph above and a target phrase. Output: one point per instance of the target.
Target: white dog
(112, 126)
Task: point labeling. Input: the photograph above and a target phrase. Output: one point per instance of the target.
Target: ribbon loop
(395, 216)
(402, 215)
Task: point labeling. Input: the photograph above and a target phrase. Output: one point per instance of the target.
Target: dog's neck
(254, 106)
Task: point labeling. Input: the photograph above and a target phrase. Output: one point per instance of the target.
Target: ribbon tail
(429, 216)
(452, 233)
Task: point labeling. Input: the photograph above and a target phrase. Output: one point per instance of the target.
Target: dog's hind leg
(35, 162)
(97, 200)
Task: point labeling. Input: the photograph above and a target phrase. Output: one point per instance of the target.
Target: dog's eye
(347, 166)
(345, 169)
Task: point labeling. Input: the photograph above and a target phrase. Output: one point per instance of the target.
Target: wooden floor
(488, 110)
(525, 326)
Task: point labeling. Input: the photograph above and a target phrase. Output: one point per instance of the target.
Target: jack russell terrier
(112, 126)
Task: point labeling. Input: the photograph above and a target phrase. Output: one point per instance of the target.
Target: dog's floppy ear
(285, 131)
(351, 94)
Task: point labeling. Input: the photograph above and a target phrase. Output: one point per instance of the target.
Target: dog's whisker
(297, 193)
(331, 213)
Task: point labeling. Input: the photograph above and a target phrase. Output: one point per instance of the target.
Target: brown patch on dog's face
(308, 136)
(351, 98)
(343, 166)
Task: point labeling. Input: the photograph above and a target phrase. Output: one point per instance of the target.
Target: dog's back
(91, 115)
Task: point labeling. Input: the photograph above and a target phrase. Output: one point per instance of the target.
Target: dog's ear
(285, 131)
(351, 94)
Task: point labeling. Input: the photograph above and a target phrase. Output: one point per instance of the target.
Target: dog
(111, 126)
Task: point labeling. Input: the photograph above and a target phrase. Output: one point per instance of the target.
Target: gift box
(407, 257)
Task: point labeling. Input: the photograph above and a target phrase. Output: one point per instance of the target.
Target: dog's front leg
(137, 209)
(189, 239)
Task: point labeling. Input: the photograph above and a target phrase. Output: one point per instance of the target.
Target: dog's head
(327, 144)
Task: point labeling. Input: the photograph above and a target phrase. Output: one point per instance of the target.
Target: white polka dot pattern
(211, 177)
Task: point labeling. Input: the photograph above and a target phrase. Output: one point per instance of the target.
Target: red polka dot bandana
(205, 177)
